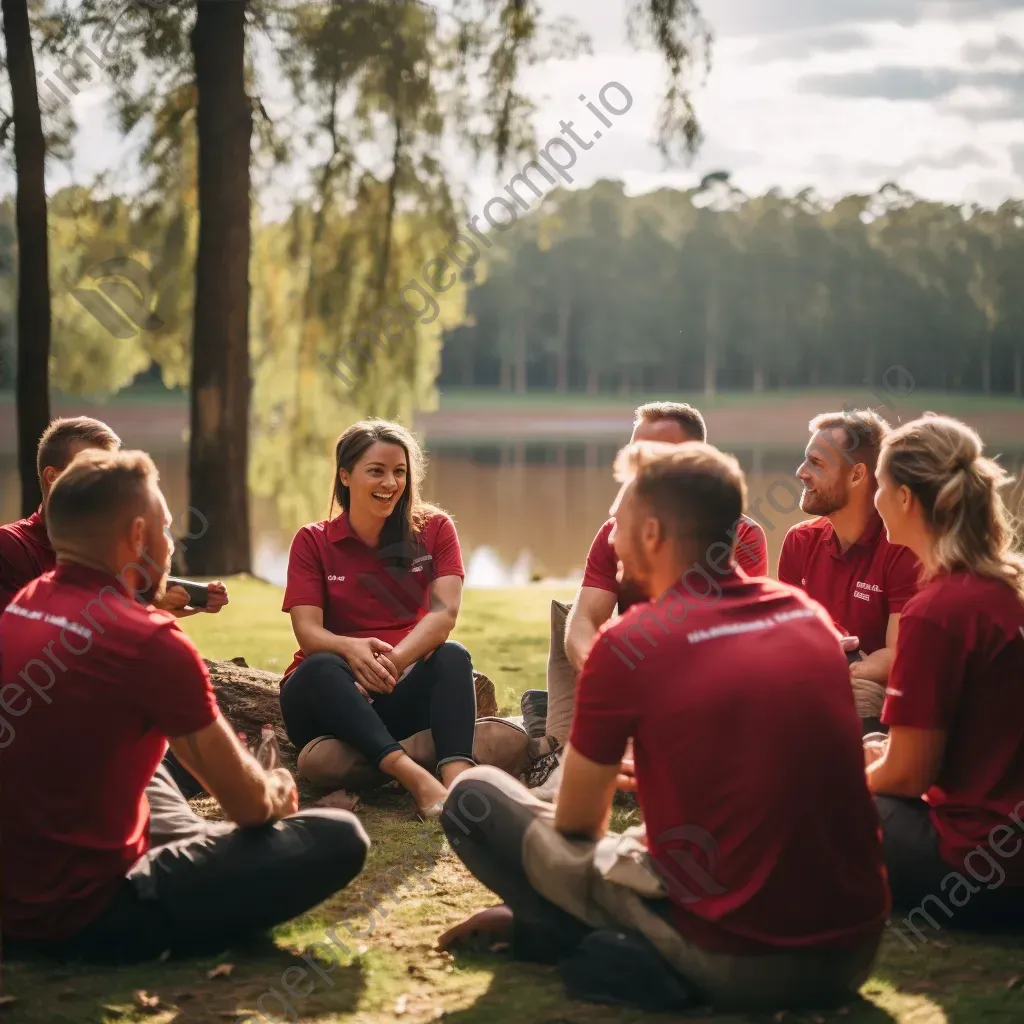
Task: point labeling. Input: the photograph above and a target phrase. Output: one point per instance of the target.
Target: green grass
(389, 963)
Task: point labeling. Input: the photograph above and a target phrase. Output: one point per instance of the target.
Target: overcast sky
(840, 95)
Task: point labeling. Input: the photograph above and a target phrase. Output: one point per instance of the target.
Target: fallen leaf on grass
(1015, 982)
(400, 1004)
(6, 1001)
(220, 971)
(146, 1002)
(499, 947)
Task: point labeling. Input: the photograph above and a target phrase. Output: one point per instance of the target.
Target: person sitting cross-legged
(97, 683)
(601, 594)
(842, 558)
(949, 779)
(376, 688)
(757, 882)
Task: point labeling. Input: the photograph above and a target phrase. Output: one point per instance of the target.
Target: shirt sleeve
(927, 675)
(176, 694)
(602, 565)
(751, 548)
(15, 568)
(446, 551)
(606, 714)
(305, 585)
(789, 561)
(904, 575)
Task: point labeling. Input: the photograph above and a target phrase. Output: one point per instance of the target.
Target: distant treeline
(709, 289)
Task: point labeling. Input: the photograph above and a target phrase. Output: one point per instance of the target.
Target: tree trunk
(758, 379)
(562, 363)
(711, 328)
(220, 389)
(986, 365)
(1018, 373)
(467, 367)
(592, 382)
(624, 382)
(33, 380)
(506, 376)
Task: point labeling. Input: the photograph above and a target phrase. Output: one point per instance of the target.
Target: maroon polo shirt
(92, 683)
(25, 554)
(749, 764)
(959, 667)
(603, 562)
(860, 587)
(361, 590)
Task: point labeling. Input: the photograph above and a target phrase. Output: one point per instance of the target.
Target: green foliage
(708, 288)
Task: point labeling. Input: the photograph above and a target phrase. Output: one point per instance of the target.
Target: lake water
(523, 511)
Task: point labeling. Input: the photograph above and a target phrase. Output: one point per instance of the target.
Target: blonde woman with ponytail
(949, 778)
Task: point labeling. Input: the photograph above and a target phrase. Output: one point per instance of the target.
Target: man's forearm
(875, 666)
(579, 638)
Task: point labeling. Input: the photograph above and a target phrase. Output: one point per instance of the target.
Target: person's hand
(367, 657)
(850, 643)
(284, 797)
(174, 600)
(216, 597)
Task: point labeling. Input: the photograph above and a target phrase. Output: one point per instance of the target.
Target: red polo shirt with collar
(860, 587)
(362, 591)
(603, 562)
(758, 817)
(92, 684)
(25, 554)
(959, 668)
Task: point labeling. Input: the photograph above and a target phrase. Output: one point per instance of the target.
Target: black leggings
(320, 698)
(917, 872)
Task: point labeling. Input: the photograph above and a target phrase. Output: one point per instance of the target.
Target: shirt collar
(37, 524)
(868, 538)
(338, 528)
(87, 576)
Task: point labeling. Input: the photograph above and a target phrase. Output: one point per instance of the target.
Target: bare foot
(340, 800)
(481, 932)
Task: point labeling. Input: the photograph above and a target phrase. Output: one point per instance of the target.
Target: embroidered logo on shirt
(864, 591)
(803, 582)
(335, 579)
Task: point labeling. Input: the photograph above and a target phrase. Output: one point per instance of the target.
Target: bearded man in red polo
(842, 557)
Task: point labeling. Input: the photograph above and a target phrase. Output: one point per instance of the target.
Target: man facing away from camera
(759, 882)
(98, 682)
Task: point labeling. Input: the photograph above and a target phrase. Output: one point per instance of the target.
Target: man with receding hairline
(843, 558)
(96, 698)
(760, 882)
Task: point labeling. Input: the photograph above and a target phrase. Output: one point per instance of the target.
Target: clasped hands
(372, 664)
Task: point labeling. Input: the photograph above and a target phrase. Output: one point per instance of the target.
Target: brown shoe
(328, 762)
(503, 744)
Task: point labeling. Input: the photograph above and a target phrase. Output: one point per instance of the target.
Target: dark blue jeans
(320, 698)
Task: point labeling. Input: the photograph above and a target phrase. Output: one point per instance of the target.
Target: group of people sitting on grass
(805, 753)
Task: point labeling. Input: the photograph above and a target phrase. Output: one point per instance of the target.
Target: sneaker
(624, 969)
(548, 790)
(534, 706)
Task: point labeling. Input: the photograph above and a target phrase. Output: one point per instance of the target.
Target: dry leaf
(499, 947)
(145, 1002)
(816, 1019)
(1015, 982)
(220, 971)
(6, 1001)
(400, 1004)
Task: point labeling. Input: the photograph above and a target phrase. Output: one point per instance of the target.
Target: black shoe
(624, 969)
(534, 706)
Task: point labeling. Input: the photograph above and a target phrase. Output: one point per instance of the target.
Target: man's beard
(820, 503)
(633, 586)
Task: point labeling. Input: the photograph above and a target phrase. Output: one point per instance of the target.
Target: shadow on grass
(966, 975)
(521, 991)
(264, 983)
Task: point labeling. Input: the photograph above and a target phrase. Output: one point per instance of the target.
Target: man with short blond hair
(760, 882)
(95, 694)
(842, 558)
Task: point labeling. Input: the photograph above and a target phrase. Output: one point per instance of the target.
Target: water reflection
(523, 511)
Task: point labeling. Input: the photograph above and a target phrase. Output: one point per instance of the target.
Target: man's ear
(49, 475)
(859, 473)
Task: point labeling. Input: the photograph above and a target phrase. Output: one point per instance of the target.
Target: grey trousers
(564, 888)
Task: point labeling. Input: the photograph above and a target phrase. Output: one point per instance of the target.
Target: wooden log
(248, 698)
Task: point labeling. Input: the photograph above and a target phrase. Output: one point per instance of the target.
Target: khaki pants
(561, 677)
(564, 888)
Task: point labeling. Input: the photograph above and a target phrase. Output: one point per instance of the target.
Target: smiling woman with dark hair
(373, 594)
